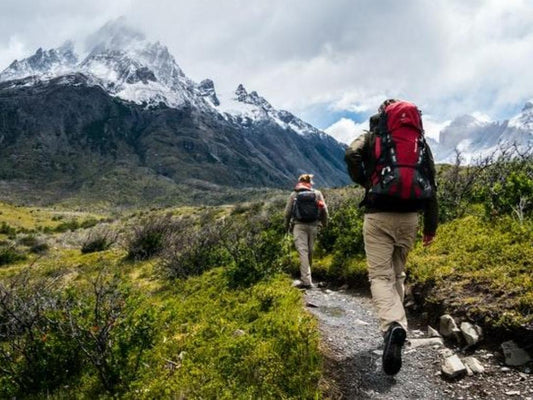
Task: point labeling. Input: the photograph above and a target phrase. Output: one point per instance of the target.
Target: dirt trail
(353, 347)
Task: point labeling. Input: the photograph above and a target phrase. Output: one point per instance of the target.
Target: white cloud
(450, 57)
(346, 130)
(433, 127)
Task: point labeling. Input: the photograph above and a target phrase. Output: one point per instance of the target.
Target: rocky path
(352, 346)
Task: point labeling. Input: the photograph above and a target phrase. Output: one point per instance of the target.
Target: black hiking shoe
(392, 352)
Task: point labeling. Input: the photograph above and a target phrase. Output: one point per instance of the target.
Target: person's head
(384, 105)
(373, 122)
(306, 178)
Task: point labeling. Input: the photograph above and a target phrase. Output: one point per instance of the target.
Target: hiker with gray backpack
(306, 209)
(394, 164)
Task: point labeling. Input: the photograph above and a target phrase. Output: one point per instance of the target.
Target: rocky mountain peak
(241, 93)
(252, 98)
(206, 89)
(42, 62)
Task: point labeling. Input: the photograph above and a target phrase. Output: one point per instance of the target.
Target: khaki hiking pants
(304, 240)
(388, 239)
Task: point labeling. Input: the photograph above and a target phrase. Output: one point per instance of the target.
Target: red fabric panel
(377, 148)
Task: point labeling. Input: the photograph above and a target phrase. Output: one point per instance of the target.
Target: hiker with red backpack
(394, 164)
(305, 210)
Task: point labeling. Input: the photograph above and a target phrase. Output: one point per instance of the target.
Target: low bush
(148, 238)
(51, 337)
(9, 254)
(255, 247)
(40, 247)
(99, 240)
(7, 230)
(35, 354)
(190, 250)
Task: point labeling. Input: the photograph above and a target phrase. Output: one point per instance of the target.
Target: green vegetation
(184, 317)
(196, 302)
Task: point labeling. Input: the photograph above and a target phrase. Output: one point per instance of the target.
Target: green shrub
(343, 239)
(9, 254)
(191, 250)
(255, 248)
(40, 247)
(148, 238)
(8, 230)
(50, 337)
(98, 240)
(113, 328)
(71, 225)
(35, 353)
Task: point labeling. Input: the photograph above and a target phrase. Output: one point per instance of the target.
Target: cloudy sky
(331, 62)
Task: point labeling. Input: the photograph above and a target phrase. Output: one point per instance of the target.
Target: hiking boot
(304, 286)
(392, 352)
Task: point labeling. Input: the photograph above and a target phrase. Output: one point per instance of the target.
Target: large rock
(514, 355)
(471, 333)
(453, 367)
(448, 327)
(474, 365)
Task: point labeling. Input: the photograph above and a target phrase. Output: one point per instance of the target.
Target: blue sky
(329, 62)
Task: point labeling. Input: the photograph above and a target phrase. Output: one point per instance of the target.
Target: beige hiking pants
(388, 238)
(304, 240)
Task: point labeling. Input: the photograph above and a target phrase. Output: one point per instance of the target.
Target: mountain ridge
(128, 106)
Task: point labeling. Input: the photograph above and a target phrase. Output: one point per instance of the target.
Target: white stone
(238, 333)
(470, 333)
(514, 355)
(425, 342)
(432, 332)
(474, 365)
(447, 325)
(453, 367)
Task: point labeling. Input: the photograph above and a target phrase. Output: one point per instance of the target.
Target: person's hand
(428, 239)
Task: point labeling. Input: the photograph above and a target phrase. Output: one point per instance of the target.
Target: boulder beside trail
(471, 333)
(453, 367)
(448, 327)
(514, 355)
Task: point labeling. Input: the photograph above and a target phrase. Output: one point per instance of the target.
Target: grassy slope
(481, 268)
(211, 341)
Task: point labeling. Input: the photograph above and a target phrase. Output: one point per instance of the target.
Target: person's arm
(431, 212)
(288, 211)
(324, 214)
(354, 159)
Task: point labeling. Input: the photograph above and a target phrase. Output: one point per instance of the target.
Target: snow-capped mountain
(44, 64)
(126, 65)
(125, 119)
(475, 139)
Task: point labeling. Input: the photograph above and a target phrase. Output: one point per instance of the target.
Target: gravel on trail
(352, 345)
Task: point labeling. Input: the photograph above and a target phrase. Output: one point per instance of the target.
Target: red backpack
(400, 156)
